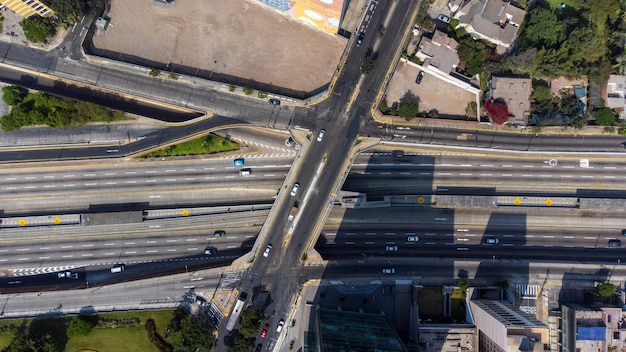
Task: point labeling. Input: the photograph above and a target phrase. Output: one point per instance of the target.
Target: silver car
(295, 188)
(320, 136)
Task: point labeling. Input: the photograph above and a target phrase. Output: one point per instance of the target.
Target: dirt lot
(236, 37)
(432, 93)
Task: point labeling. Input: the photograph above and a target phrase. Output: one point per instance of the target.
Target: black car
(419, 78)
(615, 243)
(274, 102)
(623, 144)
(258, 348)
(359, 40)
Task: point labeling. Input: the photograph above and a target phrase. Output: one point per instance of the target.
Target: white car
(281, 323)
(320, 136)
(266, 253)
(389, 271)
(392, 248)
(443, 18)
(295, 188)
(67, 274)
(412, 239)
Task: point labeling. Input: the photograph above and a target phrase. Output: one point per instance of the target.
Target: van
(118, 268)
(245, 172)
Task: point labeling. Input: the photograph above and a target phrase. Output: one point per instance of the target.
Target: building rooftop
(341, 331)
(516, 93)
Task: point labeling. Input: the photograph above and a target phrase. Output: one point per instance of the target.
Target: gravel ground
(241, 38)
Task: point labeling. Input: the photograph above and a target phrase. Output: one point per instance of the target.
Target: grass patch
(430, 302)
(131, 339)
(204, 145)
(5, 340)
(457, 294)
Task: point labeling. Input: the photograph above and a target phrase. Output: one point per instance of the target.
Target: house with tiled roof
(495, 20)
(439, 52)
(515, 92)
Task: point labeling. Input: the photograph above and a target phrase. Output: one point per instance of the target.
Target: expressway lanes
(499, 139)
(28, 251)
(377, 241)
(31, 188)
(385, 173)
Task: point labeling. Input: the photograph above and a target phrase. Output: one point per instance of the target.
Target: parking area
(432, 93)
(238, 38)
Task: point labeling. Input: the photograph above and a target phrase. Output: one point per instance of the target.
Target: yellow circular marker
(517, 201)
(56, 220)
(420, 200)
(549, 202)
(22, 222)
(185, 212)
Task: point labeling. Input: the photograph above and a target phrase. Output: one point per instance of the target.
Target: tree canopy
(13, 95)
(37, 29)
(606, 289)
(70, 11)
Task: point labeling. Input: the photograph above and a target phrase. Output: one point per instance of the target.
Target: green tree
(13, 95)
(249, 322)
(187, 334)
(580, 121)
(473, 53)
(37, 29)
(79, 326)
(408, 109)
(601, 10)
(463, 284)
(586, 44)
(368, 65)
(248, 90)
(542, 30)
(70, 11)
(604, 116)
(542, 101)
(240, 344)
(606, 289)
(154, 72)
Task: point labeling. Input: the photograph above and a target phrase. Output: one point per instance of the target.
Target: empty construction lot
(239, 38)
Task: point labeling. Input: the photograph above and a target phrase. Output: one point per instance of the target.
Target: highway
(64, 186)
(61, 186)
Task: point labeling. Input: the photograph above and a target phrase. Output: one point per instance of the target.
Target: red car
(264, 332)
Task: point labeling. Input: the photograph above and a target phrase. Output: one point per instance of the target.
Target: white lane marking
(170, 170)
(531, 166)
(443, 173)
(507, 165)
(152, 251)
(568, 236)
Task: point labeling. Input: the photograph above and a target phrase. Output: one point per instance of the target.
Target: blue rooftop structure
(596, 333)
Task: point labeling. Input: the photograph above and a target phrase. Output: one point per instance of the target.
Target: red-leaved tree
(497, 111)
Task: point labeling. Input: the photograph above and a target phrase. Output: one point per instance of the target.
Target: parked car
(219, 233)
(238, 162)
(320, 136)
(412, 239)
(267, 251)
(419, 78)
(295, 189)
(391, 248)
(264, 332)
(443, 18)
(274, 102)
(389, 271)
